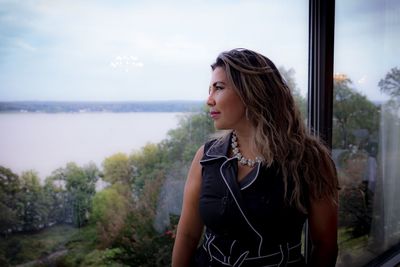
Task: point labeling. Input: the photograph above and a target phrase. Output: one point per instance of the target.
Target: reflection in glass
(366, 128)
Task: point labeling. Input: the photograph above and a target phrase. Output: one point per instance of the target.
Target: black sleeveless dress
(247, 223)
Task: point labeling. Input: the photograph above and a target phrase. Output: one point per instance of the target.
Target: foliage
(33, 208)
(183, 142)
(360, 166)
(80, 186)
(148, 163)
(121, 217)
(103, 258)
(9, 187)
(391, 86)
(391, 83)
(20, 248)
(137, 237)
(356, 199)
(301, 101)
(355, 131)
(118, 169)
(79, 245)
(355, 118)
(109, 223)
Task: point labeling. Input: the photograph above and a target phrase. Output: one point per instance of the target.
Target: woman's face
(226, 108)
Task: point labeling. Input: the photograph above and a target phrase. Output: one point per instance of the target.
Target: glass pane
(366, 135)
(93, 82)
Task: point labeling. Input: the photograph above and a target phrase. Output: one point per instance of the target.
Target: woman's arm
(190, 225)
(323, 218)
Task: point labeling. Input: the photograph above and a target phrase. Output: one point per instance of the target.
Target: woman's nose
(210, 100)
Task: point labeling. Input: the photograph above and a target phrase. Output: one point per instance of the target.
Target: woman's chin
(218, 126)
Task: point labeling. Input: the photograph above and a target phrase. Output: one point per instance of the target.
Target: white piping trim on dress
(241, 258)
(273, 254)
(230, 251)
(227, 259)
(224, 263)
(264, 256)
(283, 256)
(209, 250)
(255, 178)
(217, 156)
(293, 261)
(222, 254)
(241, 211)
(206, 160)
(214, 157)
(289, 248)
(295, 246)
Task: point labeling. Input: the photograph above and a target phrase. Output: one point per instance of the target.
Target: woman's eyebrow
(217, 82)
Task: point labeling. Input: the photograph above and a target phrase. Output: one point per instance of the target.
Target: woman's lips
(214, 114)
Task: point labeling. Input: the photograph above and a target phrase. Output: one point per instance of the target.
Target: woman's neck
(245, 139)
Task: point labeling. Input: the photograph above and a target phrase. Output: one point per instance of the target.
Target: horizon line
(103, 101)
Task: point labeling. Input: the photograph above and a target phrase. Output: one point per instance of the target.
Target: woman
(254, 187)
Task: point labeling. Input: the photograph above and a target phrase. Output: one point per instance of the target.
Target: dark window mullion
(320, 69)
(320, 76)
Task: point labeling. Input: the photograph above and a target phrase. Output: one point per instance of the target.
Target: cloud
(126, 63)
(135, 50)
(24, 45)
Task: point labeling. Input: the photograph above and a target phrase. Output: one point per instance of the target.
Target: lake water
(45, 142)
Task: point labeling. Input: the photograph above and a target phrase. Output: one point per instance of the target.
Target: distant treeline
(129, 106)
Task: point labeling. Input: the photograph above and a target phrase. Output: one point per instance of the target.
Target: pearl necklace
(236, 153)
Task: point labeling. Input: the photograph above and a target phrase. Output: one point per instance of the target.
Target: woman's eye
(219, 87)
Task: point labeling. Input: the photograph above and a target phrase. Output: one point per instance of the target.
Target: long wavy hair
(280, 132)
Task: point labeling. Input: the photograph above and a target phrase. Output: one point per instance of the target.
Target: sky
(67, 50)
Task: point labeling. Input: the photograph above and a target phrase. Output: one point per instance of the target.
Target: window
(366, 127)
(115, 53)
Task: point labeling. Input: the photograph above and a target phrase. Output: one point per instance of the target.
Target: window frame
(320, 97)
(320, 78)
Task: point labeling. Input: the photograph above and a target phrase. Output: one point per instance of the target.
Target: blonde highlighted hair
(281, 135)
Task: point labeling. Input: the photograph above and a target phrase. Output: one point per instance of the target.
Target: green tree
(144, 246)
(183, 142)
(80, 186)
(34, 210)
(355, 118)
(55, 196)
(391, 83)
(109, 223)
(9, 187)
(118, 169)
(289, 76)
(148, 164)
